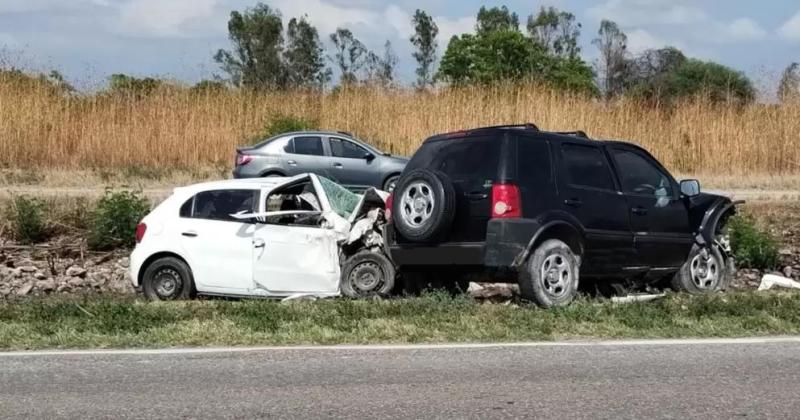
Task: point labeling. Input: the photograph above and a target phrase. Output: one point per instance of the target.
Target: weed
(28, 219)
(113, 222)
(753, 247)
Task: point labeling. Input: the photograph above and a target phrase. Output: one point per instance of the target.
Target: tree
(666, 74)
(57, 79)
(648, 75)
(557, 31)
(499, 51)
(380, 70)
(510, 55)
(349, 56)
(789, 88)
(612, 43)
(719, 83)
(496, 19)
(257, 38)
(303, 57)
(129, 85)
(424, 40)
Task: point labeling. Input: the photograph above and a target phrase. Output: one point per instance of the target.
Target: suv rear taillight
(388, 212)
(242, 159)
(506, 202)
(141, 228)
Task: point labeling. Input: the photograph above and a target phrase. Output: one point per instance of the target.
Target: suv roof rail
(576, 133)
(525, 126)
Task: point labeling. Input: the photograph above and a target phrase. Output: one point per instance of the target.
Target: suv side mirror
(369, 156)
(690, 187)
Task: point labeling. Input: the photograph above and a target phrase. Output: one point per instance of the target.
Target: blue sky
(90, 39)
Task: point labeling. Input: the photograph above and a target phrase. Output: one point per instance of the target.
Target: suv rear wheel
(551, 276)
(424, 205)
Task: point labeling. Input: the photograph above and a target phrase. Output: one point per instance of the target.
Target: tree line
(266, 55)
(546, 50)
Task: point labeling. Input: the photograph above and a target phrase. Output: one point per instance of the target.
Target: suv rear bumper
(506, 239)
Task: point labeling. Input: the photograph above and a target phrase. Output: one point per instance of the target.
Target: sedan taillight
(141, 228)
(243, 159)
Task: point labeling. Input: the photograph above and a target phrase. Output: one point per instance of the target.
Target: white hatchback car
(270, 237)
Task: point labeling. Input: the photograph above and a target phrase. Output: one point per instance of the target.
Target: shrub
(280, 123)
(752, 247)
(27, 218)
(113, 222)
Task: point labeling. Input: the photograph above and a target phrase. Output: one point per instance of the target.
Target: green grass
(130, 322)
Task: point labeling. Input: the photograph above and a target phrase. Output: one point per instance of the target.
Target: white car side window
(220, 204)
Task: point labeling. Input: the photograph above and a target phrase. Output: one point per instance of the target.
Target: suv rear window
(586, 166)
(472, 157)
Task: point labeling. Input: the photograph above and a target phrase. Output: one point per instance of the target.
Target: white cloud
(399, 20)
(326, 17)
(743, 29)
(791, 29)
(453, 26)
(157, 18)
(640, 40)
(644, 12)
(6, 40)
(19, 6)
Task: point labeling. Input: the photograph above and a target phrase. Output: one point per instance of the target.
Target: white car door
(294, 253)
(219, 247)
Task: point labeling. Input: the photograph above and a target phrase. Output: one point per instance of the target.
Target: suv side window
(220, 204)
(640, 176)
(346, 149)
(307, 146)
(586, 166)
(533, 163)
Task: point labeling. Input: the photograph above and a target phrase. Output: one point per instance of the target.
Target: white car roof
(254, 183)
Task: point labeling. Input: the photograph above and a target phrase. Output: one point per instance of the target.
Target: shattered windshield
(343, 201)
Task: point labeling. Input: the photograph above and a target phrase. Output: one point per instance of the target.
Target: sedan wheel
(367, 274)
(168, 278)
(390, 183)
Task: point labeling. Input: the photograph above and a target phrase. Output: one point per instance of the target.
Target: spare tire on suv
(423, 205)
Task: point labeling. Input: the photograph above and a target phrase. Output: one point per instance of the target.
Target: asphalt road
(722, 379)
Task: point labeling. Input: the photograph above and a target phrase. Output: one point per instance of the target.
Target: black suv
(545, 208)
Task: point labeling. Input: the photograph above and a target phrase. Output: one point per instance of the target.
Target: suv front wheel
(551, 276)
(705, 271)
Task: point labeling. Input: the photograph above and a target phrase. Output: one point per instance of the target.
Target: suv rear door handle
(641, 211)
(573, 202)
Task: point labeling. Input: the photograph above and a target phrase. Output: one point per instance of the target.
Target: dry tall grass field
(182, 129)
